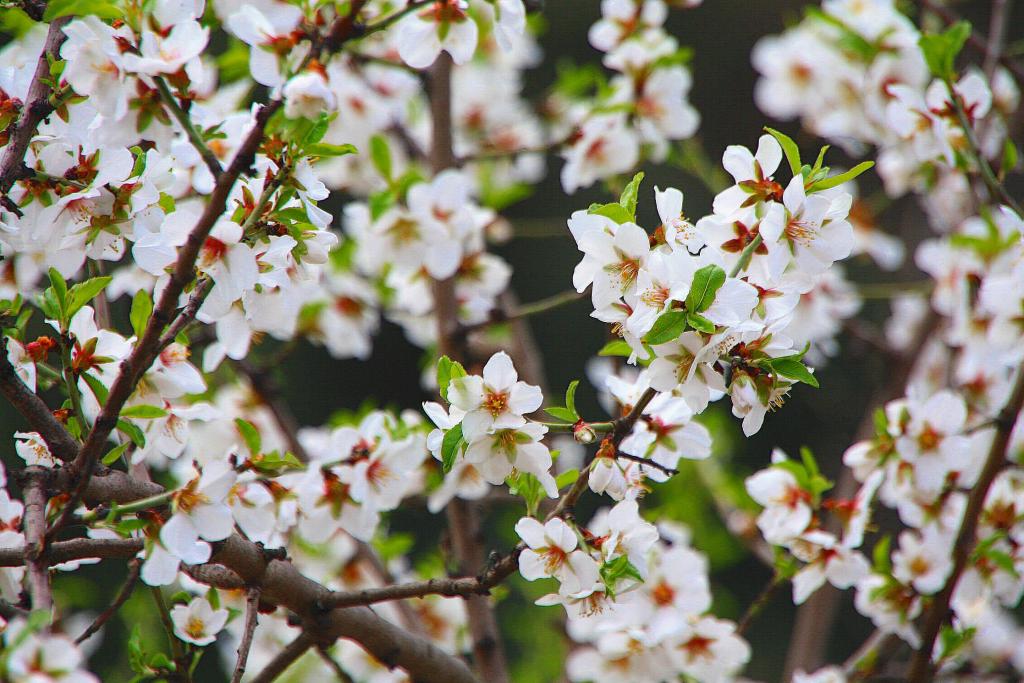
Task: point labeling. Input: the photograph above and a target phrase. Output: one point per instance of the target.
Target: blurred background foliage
(543, 254)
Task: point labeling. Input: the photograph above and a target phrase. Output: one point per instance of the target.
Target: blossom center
(496, 402)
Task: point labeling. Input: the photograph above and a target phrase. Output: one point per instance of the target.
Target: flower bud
(584, 433)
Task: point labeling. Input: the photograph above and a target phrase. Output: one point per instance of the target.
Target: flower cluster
(853, 73)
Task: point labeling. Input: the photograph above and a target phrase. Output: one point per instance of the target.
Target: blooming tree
(166, 171)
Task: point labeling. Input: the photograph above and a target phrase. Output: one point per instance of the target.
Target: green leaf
(380, 155)
(317, 132)
(326, 150)
(667, 328)
(381, 202)
(794, 369)
(275, 462)
(841, 178)
(450, 447)
(563, 414)
(528, 487)
(133, 432)
(628, 199)
(700, 323)
(1010, 158)
(60, 292)
(99, 390)
(880, 555)
(940, 50)
(807, 455)
(567, 478)
(84, 292)
(706, 283)
(789, 148)
(144, 412)
(80, 8)
(447, 370)
(615, 211)
(142, 308)
(570, 396)
(250, 435)
(616, 347)
(115, 453)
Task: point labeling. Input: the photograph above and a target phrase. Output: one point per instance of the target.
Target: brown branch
(339, 672)
(34, 522)
(285, 658)
(126, 591)
(647, 462)
(252, 604)
(77, 549)
(759, 603)
(921, 669)
(147, 349)
(62, 445)
(37, 107)
(450, 587)
(464, 528)
(814, 618)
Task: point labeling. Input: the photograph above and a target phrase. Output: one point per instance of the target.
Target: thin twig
(134, 568)
(339, 672)
(194, 136)
(526, 310)
(759, 603)
(647, 462)
(252, 604)
(285, 658)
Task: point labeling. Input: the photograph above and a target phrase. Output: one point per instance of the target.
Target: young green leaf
(700, 323)
(133, 432)
(250, 435)
(667, 328)
(616, 212)
(789, 148)
(567, 478)
(142, 308)
(563, 414)
(84, 292)
(144, 412)
(629, 196)
(794, 369)
(616, 347)
(841, 178)
(706, 283)
(327, 150)
(114, 454)
(570, 397)
(940, 50)
(60, 292)
(380, 155)
(450, 446)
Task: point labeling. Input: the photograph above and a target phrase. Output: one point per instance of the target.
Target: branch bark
(921, 668)
(37, 107)
(35, 496)
(252, 603)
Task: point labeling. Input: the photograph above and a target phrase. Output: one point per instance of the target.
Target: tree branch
(134, 568)
(921, 668)
(37, 107)
(252, 603)
(285, 658)
(34, 522)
